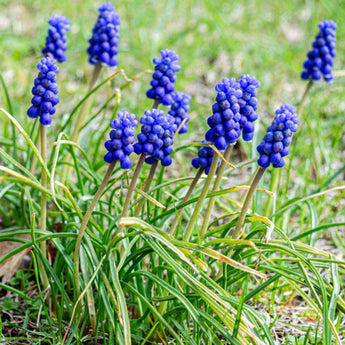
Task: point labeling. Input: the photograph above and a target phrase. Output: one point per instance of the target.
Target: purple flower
(321, 57)
(179, 110)
(164, 77)
(45, 91)
(120, 145)
(225, 127)
(56, 41)
(249, 104)
(156, 137)
(105, 37)
(278, 137)
(204, 159)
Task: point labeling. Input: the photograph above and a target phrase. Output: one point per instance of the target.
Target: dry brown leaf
(9, 267)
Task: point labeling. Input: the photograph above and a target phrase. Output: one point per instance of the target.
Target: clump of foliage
(126, 253)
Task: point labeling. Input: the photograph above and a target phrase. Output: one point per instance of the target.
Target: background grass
(214, 39)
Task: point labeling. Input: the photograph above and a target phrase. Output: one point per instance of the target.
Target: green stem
(146, 187)
(132, 187)
(273, 187)
(43, 215)
(80, 119)
(238, 229)
(186, 198)
(156, 103)
(34, 157)
(202, 197)
(83, 226)
(244, 195)
(293, 149)
(212, 200)
(304, 97)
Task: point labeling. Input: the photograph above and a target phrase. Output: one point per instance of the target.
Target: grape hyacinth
(164, 77)
(321, 57)
(278, 137)
(204, 159)
(225, 127)
(45, 91)
(56, 41)
(156, 137)
(249, 104)
(105, 38)
(120, 145)
(179, 110)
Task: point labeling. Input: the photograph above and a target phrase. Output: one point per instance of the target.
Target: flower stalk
(131, 188)
(201, 199)
(146, 187)
(215, 188)
(304, 97)
(43, 215)
(84, 223)
(156, 103)
(81, 118)
(186, 198)
(248, 200)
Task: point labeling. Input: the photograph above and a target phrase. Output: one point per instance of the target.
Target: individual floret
(278, 137)
(56, 41)
(225, 127)
(321, 57)
(204, 159)
(179, 110)
(156, 137)
(164, 77)
(105, 38)
(45, 91)
(120, 145)
(249, 104)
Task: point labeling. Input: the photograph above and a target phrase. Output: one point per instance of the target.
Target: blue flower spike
(179, 110)
(225, 127)
(321, 57)
(164, 77)
(157, 137)
(45, 91)
(249, 104)
(56, 41)
(105, 37)
(204, 159)
(275, 145)
(120, 145)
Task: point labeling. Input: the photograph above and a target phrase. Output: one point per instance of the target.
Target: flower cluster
(179, 110)
(249, 104)
(105, 38)
(225, 128)
(164, 77)
(56, 41)
(156, 137)
(45, 91)
(320, 58)
(278, 137)
(120, 145)
(204, 159)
